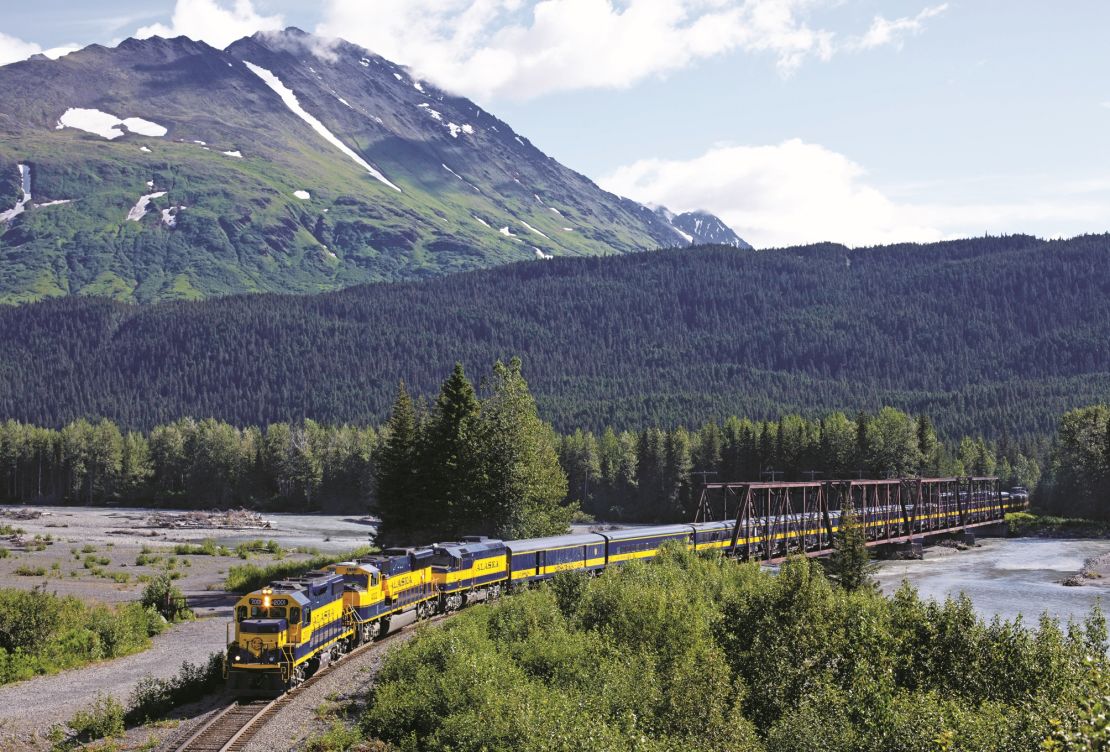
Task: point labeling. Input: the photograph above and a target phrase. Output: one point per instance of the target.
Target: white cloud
(519, 49)
(883, 32)
(12, 50)
(797, 192)
(212, 22)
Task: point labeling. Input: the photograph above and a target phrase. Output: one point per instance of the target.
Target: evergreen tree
(397, 481)
(928, 447)
(448, 458)
(850, 564)
(520, 486)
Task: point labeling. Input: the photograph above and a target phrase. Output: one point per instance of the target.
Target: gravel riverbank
(32, 707)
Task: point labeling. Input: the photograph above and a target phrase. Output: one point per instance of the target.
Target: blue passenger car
(643, 542)
(541, 558)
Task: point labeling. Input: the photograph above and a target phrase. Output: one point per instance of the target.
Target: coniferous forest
(995, 336)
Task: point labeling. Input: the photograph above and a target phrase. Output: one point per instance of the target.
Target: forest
(1078, 484)
(994, 336)
(426, 460)
(699, 653)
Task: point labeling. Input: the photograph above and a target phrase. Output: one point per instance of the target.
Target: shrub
(26, 570)
(4, 553)
(162, 595)
(102, 719)
(153, 697)
(207, 547)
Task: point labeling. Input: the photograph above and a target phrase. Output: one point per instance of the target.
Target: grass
(247, 577)
(208, 547)
(1028, 524)
(245, 549)
(26, 570)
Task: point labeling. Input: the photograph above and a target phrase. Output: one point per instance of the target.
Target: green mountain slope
(281, 164)
(993, 335)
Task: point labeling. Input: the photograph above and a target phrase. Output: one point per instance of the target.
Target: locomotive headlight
(266, 601)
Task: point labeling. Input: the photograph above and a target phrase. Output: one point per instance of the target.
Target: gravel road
(31, 708)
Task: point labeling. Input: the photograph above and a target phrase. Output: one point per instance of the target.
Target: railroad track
(231, 729)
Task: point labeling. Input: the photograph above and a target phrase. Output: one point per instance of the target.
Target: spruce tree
(397, 474)
(850, 564)
(520, 485)
(448, 458)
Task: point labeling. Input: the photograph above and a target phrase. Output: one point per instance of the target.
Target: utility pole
(772, 472)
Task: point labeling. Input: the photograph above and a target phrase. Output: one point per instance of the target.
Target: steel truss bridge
(771, 521)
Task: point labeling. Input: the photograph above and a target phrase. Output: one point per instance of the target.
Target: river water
(1007, 576)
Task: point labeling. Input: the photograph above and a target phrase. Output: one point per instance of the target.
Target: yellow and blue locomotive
(284, 631)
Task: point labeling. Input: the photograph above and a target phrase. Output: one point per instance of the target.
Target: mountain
(701, 228)
(168, 169)
(991, 335)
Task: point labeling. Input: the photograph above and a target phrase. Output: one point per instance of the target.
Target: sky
(795, 121)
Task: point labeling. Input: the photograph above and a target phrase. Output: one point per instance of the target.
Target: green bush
(26, 570)
(153, 697)
(103, 719)
(161, 594)
(706, 654)
(207, 547)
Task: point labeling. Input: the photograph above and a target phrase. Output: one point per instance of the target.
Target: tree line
(655, 474)
(1078, 482)
(974, 333)
(472, 462)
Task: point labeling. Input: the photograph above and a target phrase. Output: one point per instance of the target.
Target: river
(1007, 576)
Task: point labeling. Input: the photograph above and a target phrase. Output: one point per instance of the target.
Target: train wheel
(384, 627)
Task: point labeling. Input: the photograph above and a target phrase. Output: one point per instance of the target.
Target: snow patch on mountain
(303, 195)
(533, 229)
(139, 209)
(108, 126)
(460, 177)
(541, 255)
(237, 154)
(25, 186)
(290, 99)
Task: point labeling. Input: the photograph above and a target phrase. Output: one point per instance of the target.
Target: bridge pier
(906, 549)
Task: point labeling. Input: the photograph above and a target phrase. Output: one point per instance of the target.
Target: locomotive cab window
(241, 613)
(294, 615)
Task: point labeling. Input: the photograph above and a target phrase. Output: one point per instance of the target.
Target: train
(287, 630)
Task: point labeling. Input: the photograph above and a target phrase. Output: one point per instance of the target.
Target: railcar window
(241, 613)
(294, 615)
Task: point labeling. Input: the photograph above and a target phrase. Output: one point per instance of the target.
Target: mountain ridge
(974, 333)
(273, 166)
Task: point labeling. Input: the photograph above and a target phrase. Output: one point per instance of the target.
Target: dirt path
(29, 709)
